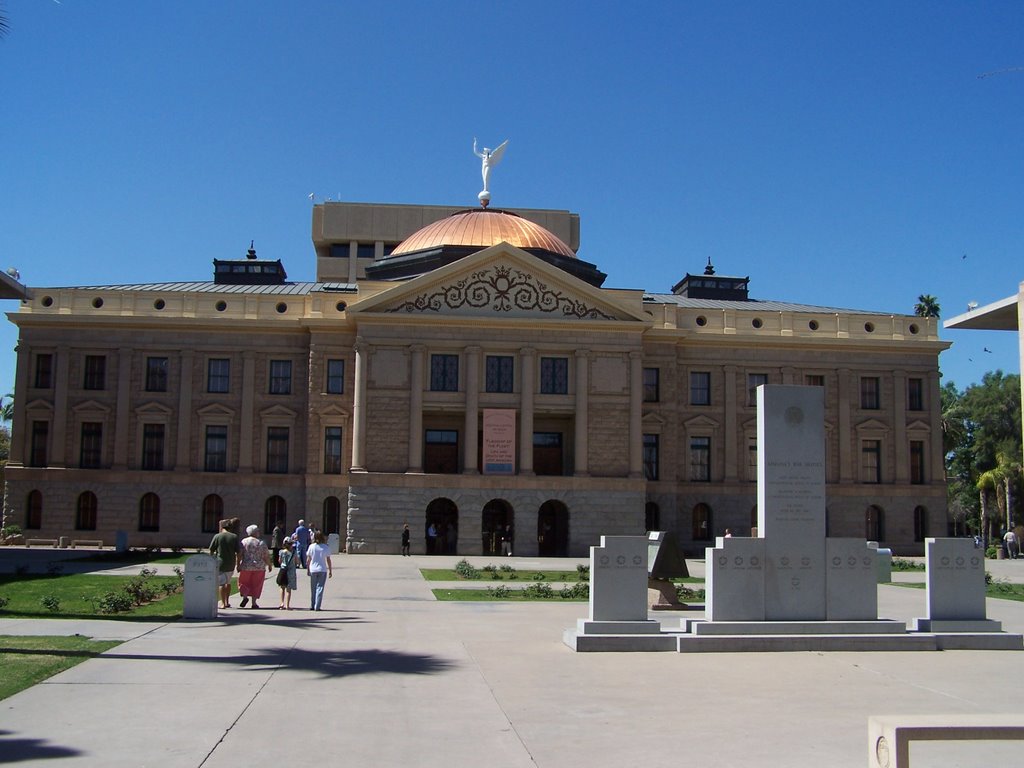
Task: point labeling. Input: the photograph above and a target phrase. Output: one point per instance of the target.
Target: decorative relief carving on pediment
(501, 289)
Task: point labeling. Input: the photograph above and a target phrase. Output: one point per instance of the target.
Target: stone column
(19, 433)
(122, 407)
(527, 381)
(247, 416)
(416, 358)
(362, 350)
(789, 376)
(730, 436)
(582, 416)
(182, 458)
(847, 471)
(636, 413)
(900, 446)
(472, 421)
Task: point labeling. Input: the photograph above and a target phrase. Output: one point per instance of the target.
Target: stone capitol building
(464, 372)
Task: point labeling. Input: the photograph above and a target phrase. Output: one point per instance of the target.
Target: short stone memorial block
(851, 579)
(618, 579)
(200, 599)
(955, 588)
(734, 580)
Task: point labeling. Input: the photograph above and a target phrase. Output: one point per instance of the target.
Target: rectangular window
(444, 373)
(277, 450)
(652, 393)
(869, 389)
(500, 373)
(700, 388)
(547, 453)
(153, 446)
(917, 462)
(156, 374)
(216, 454)
(651, 457)
(280, 377)
(554, 375)
(91, 451)
(332, 450)
(871, 461)
(95, 372)
(700, 459)
(915, 394)
(40, 438)
(335, 384)
(814, 380)
(752, 459)
(754, 380)
(44, 371)
(218, 374)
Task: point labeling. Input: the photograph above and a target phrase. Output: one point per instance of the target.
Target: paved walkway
(387, 676)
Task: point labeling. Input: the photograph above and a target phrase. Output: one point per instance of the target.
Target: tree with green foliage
(927, 306)
(982, 440)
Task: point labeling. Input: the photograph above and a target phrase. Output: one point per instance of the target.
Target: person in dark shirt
(224, 547)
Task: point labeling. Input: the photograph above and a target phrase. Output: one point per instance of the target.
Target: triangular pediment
(279, 412)
(919, 426)
(499, 282)
(215, 411)
(652, 420)
(153, 409)
(91, 407)
(872, 425)
(700, 422)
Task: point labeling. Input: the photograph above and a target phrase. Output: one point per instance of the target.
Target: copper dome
(483, 228)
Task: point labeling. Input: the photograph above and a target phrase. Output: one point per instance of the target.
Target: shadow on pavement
(14, 750)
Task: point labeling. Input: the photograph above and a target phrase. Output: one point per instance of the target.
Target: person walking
(253, 558)
(275, 543)
(320, 570)
(286, 576)
(224, 546)
(405, 540)
(300, 540)
(1012, 545)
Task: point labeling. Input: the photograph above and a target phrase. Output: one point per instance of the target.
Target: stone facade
(136, 405)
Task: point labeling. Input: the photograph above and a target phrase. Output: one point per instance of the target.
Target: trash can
(334, 543)
(201, 587)
(121, 541)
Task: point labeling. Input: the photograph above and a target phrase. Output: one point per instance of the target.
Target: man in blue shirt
(301, 539)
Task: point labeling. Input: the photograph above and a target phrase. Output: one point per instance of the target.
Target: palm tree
(987, 481)
(927, 306)
(7, 407)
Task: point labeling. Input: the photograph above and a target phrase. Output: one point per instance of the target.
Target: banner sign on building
(499, 443)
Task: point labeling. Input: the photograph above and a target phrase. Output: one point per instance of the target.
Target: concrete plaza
(386, 675)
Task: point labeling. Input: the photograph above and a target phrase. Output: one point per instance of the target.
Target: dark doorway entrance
(496, 528)
(442, 519)
(332, 516)
(553, 529)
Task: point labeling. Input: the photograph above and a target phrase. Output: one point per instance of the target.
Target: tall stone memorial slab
(955, 588)
(791, 501)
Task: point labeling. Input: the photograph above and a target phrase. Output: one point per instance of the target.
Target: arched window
(149, 512)
(920, 523)
(702, 524)
(652, 517)
(213, 513)
(34, 510)
(275, 511)
(332, 516)
(85, 512)
(874, 527)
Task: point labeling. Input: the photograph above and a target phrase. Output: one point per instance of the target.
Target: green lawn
(29, 660)
(1003, 590)
(447, 574)
(514, 596)
(75, 595)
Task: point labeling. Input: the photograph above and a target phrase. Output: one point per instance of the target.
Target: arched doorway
(652, 517)
(332, 516)
(553, 529)
(275, 510)
(496, 527)
(442, 519)
(702, 525)
(920, 523)
(874, 524)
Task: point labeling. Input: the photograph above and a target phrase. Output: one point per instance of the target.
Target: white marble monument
(955, 588)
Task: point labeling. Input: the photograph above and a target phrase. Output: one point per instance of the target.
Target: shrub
(899, 564)
(50, 603)
(489, 568)
(539, 576)
(3, 602)
(506, 568)
(10, 530)
(684, 593)
(541, 591)
(578, 591)
(501, 591)
(583, 571)
(139, 590)
(990, 553)
(114, 602)
(466, 571)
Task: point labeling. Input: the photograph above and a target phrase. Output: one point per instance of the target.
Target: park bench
(889, 736)
(98, 543)
(41, 543)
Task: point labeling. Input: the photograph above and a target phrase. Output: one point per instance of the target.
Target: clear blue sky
(844, 154)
